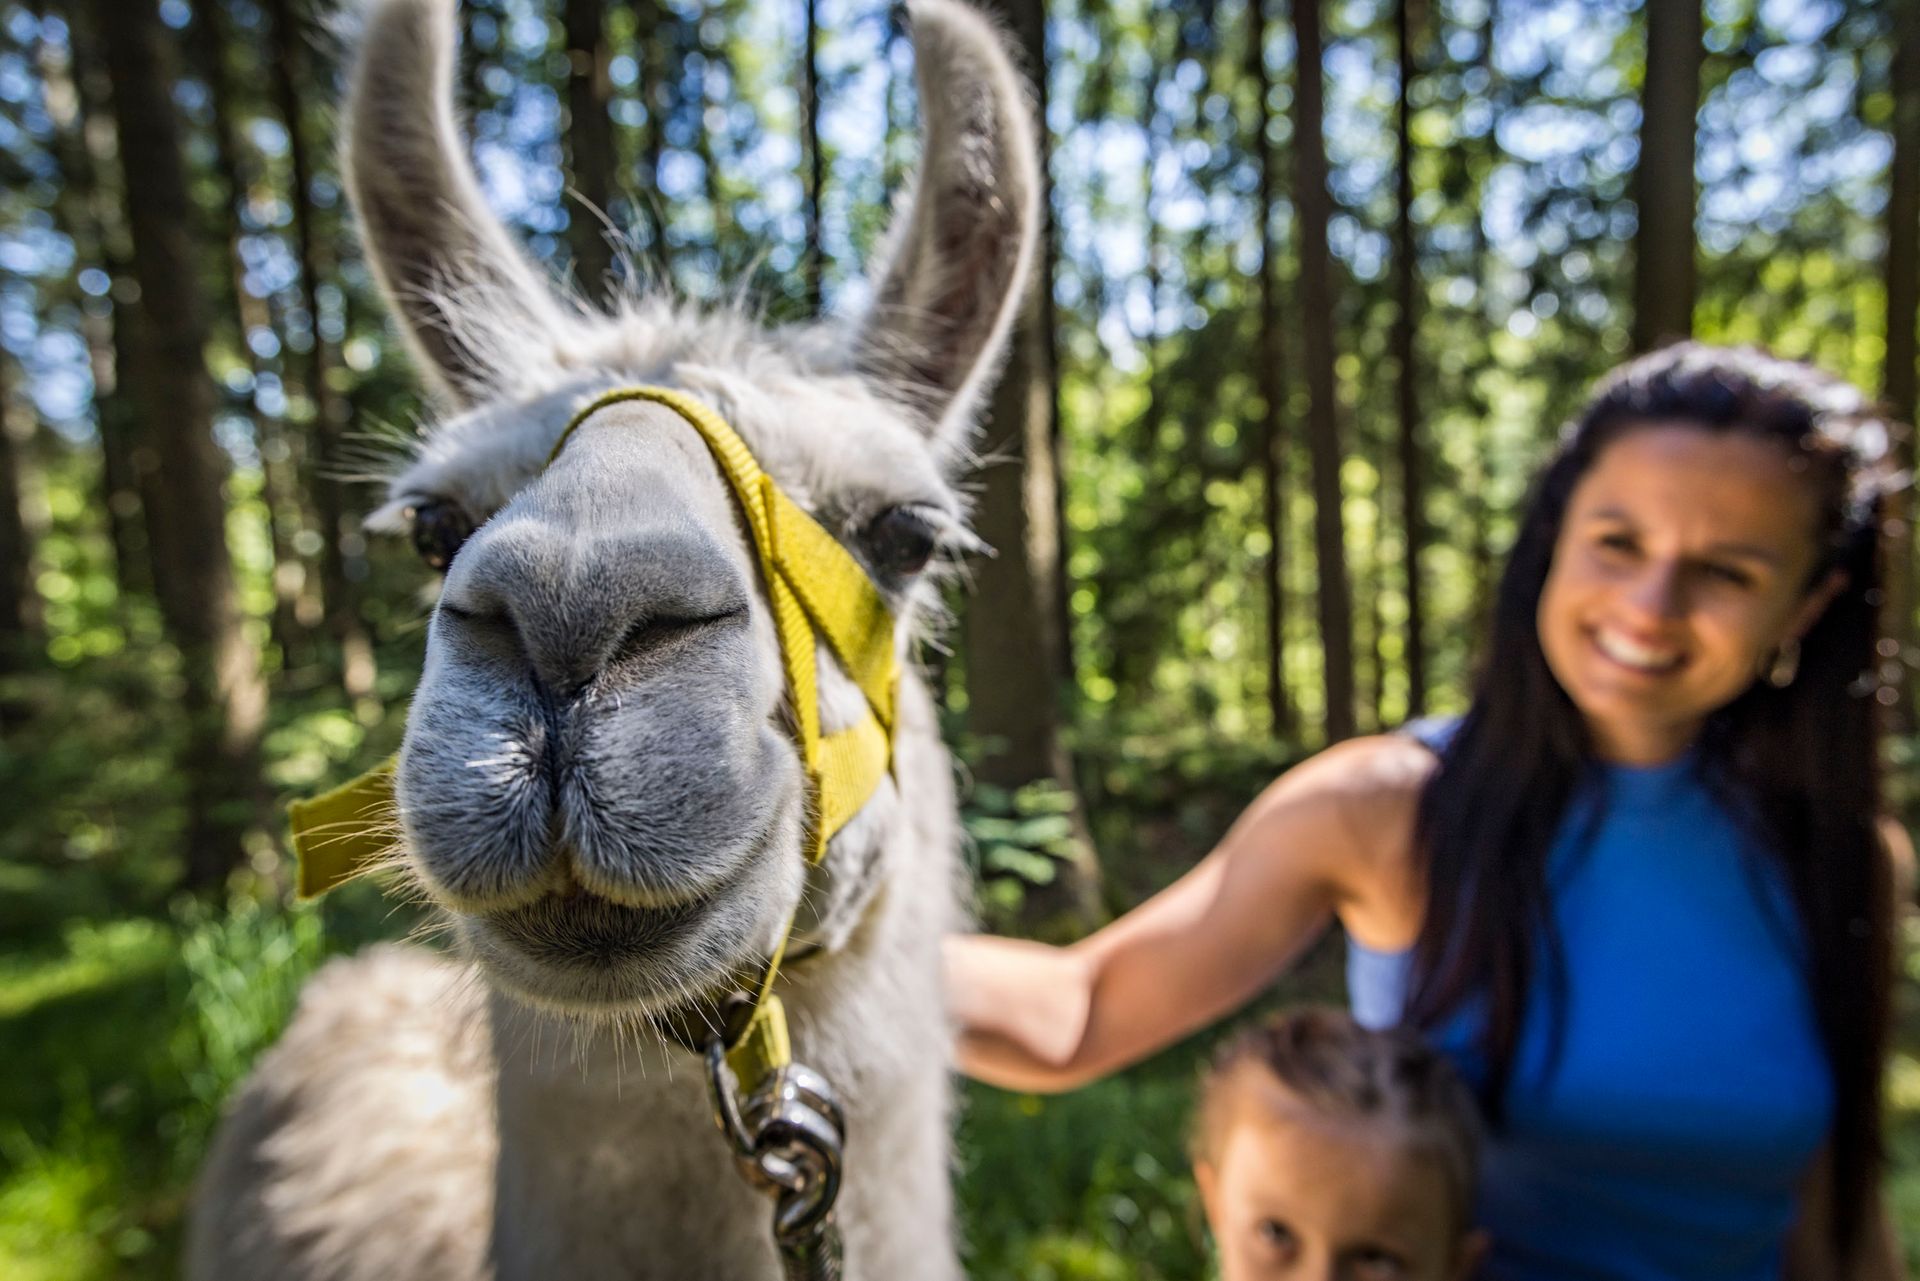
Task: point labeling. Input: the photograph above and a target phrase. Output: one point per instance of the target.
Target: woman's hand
(1332, 836)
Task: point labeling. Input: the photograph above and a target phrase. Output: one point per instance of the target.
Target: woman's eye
(1731, 575)
(900, 541)
(439, 530)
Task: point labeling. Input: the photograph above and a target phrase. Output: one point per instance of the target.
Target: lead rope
(787, 1141)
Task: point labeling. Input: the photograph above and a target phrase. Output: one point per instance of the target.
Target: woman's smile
(1640, 658)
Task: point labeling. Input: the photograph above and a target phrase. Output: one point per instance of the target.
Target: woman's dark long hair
(1800, 763)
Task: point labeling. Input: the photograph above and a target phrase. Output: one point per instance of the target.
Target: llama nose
(593, 609)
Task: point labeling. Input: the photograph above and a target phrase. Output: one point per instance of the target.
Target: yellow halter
(817, 591)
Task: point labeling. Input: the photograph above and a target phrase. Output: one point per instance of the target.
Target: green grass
(122, 1035)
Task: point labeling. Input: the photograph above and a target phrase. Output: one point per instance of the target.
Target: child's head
(1329, 1151)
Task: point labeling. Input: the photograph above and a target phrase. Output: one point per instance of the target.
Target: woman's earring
(1786, 663)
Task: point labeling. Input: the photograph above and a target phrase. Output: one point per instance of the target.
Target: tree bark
(1899, 391)
(1481, 496)
(651, 91)
(1663, 182)
(1370, 576)
(76, 91)
(1406, 279)
(19, 600)
(725, 256)
(473, 89)
(249, 314)
(186, 509)
(589, 139)
(1270, 358)
(1013, 671)
(1312, 210)
(811, 155)
(339, 570)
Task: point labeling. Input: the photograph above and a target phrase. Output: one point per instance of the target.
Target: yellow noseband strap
(817, 591)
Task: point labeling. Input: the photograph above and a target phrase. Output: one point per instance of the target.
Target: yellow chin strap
(817, 591)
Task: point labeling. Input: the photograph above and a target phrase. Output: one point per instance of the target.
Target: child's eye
(1375, 1264)
(1618, 541)
(1275, 1234)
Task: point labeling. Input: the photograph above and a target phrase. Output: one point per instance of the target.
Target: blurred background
(1323, 279)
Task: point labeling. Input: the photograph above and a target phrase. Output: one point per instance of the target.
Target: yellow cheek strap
(816, 588)
(818, 593)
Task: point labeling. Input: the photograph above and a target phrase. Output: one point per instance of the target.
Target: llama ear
(442, 259)
(960, 249)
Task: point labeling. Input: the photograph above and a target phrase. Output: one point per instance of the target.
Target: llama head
(597, 781)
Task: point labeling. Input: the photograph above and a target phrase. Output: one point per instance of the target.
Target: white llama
(597, 786)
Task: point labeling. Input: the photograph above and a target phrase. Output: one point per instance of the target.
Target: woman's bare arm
(1320, 840)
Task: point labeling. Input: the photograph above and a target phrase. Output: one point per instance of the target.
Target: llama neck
(610, 1163)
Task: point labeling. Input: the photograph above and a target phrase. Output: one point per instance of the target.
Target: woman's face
(1683, 562)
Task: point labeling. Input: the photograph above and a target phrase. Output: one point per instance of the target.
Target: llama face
(597, 780)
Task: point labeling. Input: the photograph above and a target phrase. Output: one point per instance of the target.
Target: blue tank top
(1668, 1139)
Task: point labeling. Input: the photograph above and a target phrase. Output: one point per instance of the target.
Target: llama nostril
(650, 639)
(493, 626)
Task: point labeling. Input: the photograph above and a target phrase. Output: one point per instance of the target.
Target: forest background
(1322, 280)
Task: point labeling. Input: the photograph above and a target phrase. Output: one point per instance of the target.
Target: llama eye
(439, 530)
(900, 541)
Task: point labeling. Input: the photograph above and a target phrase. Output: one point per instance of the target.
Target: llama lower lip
(585, 931)
(576, 951)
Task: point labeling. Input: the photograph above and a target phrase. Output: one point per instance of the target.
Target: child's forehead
(1363, 1172)
(1260, 1101)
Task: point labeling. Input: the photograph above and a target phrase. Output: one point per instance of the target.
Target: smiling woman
(1637, 893)
(1683, 568)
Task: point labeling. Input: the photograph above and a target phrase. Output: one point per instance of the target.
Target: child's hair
(1337, 1069)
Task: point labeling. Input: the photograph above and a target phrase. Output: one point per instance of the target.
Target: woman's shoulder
(1363, 796)
(1378, 771)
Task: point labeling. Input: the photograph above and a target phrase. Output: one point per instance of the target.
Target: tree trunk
(811, 156)
(1406, 279)
(1312, 206)
(1270, 359)
(19, 601)
(473, 89)
(186, 509)
(339, 571)
(1013, 671)
(712, 55)
(1371, 576)
(589, 139)
(1481, 497)
(75, 92)
(1903, 300)
(1663, 184)
(249, 314)
(648, 33)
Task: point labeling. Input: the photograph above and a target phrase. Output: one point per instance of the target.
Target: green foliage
(1089, 1186)
(1018, 841)
(124, 1037)
(239, 974)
